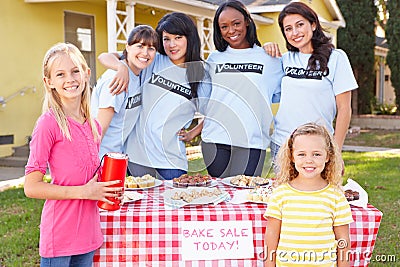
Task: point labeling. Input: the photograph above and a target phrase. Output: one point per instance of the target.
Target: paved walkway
(13, 176)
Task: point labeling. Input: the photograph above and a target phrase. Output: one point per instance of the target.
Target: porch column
(112, 25)
(130, 14)
(381, 80)
(205, 29)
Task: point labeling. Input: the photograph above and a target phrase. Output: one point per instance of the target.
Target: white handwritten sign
(212, 240)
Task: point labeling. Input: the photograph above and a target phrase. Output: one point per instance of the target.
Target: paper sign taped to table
(213, 240)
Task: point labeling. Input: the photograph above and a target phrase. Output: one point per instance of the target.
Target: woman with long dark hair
(318, 78)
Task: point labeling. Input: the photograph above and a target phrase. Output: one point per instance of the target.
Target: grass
(376, 138)
(19, 229)
(377, 173)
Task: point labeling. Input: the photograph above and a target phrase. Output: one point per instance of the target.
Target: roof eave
(265, 9)
(257, 18)
(336, 13)
(338, 19)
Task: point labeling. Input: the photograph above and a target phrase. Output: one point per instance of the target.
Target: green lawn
(19, 229)
(377, 173)
(376, 138)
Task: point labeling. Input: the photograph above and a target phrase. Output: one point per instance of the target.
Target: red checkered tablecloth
(146, 233)
(363, 232)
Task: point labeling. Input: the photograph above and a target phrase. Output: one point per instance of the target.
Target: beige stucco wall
(27, 31)
(271, 33)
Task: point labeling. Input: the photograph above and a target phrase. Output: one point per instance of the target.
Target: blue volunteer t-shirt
(244, 84)
(122, 103)
(168, 106)
(310, 96)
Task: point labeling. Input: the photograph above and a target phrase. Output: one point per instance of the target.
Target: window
(79, 30)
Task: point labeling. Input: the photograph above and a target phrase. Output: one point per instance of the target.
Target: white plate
(227, 181)
(197, 201)
(240, 197)
(132, 196)
(157, 183)
(258, 202)
(169, 183)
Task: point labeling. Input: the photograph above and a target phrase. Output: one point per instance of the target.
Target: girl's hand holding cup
(103, 191)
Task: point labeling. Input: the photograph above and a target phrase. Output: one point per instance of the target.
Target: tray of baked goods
(259, 194)
(244, 181)
(197, 180)
(355, 194)
(256, 195)
(179, 197)
(141, 182)
(351, 195)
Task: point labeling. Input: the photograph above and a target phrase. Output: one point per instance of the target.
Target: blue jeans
(274, 152)
(169, 174)
(226, 160)
(82, 260)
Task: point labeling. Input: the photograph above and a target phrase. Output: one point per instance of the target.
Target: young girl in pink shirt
(66, 140)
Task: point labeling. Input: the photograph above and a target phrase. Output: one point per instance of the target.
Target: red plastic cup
(114, 168)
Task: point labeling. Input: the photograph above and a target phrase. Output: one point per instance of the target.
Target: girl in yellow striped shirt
(308, 214)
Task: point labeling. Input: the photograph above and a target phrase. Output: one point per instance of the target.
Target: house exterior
(384, 90)
(29, 27)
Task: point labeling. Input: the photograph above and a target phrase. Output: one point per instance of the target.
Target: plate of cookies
(141, 182)
(179, 197)
(132, 196)
(243, 181)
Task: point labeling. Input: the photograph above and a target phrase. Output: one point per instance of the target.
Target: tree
(358, 40)
(393, 40)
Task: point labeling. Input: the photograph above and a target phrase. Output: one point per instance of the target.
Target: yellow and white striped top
(307, 220)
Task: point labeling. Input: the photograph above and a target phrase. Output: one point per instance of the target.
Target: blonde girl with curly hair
(308, 214)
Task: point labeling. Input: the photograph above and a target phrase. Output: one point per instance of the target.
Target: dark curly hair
(322, 45)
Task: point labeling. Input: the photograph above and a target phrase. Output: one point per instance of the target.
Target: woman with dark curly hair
(318, 78)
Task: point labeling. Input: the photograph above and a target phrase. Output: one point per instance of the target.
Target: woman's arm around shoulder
(121, 78)
(272, 49)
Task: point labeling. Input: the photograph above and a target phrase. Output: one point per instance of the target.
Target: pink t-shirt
(68, 227)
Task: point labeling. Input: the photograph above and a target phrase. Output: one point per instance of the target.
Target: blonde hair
(333, 168)
(52, 101)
